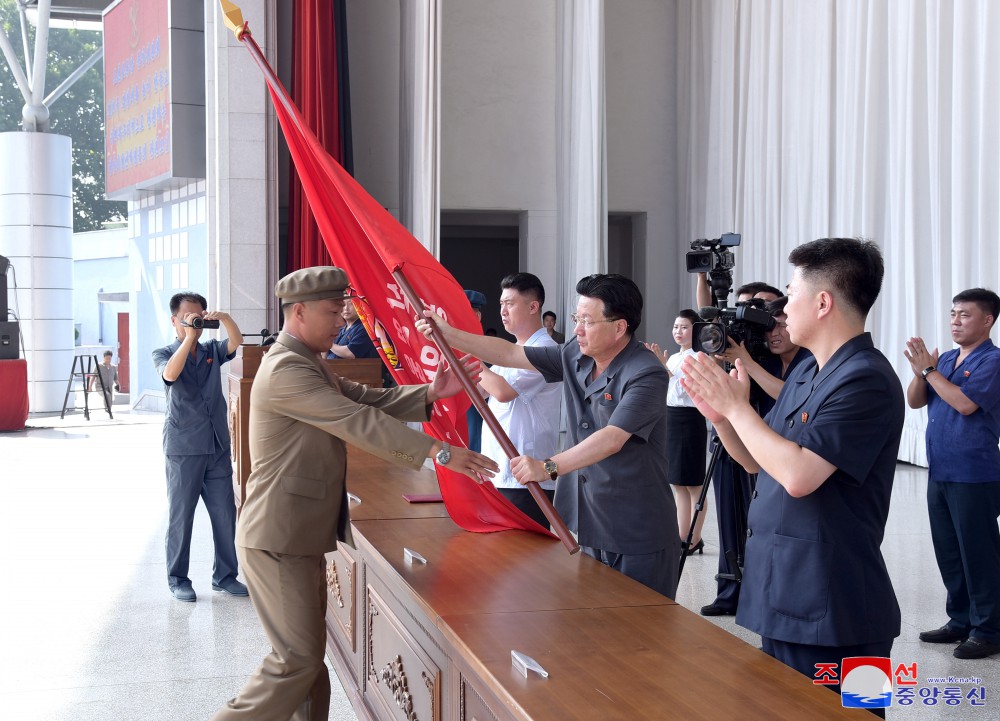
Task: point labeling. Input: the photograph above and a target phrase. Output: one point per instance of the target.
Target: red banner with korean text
(364, 239)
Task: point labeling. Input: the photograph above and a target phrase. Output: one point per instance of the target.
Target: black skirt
(687, 439)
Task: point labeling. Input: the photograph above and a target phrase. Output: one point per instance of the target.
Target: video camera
(710, 255)
(746, 323)
(202, 323)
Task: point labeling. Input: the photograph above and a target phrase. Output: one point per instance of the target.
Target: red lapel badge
(607, 396)
(805, 416)
(209, 360)
(968, 373)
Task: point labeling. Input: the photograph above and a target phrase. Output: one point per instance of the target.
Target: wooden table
(433, 641)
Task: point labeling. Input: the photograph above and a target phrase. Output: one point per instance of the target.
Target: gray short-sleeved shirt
(622, 504)
(196, 406)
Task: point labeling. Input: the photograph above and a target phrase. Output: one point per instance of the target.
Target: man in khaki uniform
(301, 415)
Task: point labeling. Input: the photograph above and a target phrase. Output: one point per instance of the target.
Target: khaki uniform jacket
(299, 422)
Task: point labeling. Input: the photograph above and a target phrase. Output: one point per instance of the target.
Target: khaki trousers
(289, 595)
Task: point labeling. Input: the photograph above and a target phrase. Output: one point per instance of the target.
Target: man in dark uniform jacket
(352, 340)
(815, 585)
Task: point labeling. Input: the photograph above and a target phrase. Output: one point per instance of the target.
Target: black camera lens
(709, 338)
(204, 323)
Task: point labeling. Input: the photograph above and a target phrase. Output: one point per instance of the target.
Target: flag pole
(558, 525)
(233, 19)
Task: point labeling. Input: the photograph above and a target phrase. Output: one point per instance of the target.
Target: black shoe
(184, 593)
(713, 609)
(977, 648)
(233, 588)
(945, 634)
(699, 547)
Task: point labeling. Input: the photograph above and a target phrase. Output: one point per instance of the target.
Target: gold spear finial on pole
(233, 17)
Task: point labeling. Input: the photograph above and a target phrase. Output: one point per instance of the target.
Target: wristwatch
(927, 371)
(551, 468)
(444, 455)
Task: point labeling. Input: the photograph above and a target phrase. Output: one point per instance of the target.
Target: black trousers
(966, 541)
(525, 503)
(803, 658)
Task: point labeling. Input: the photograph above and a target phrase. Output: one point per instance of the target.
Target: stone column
(36, 235)
(242, 169)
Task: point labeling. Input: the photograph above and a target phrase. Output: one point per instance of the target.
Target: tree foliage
(79, 113)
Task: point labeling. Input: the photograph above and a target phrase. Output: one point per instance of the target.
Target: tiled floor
(91, 634)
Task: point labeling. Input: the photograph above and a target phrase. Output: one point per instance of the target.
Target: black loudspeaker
(4, 265)
(10, 341)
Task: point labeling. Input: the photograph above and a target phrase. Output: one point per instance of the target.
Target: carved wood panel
(238, 447)
(472, 706)
(401, 679)
(341, 575)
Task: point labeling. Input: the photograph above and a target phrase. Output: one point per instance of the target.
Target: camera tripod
(734, 556)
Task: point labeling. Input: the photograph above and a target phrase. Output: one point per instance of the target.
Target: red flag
(365, 240)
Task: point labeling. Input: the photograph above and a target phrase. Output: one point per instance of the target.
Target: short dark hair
(777, 307)
(108, 353)
(756, 287)
(178, 298)
(549, 314)
(620, 296)
(525, 284)
(689, 314)
(853, 268)
(987, 300)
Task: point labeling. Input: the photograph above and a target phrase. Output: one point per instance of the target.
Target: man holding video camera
(732, 485)
(815, 586)
(196, 442)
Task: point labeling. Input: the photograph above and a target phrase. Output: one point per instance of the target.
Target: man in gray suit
(612, 489)
(301, 415)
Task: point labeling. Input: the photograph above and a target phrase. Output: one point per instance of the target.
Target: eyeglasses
(587, 322)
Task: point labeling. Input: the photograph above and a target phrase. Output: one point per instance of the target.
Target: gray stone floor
(91, 634)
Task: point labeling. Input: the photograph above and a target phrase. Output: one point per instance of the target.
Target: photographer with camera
(816, 587)
(770, 373)
(732, 485)
(196, 442)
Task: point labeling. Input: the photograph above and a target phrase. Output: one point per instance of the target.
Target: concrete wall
(373, 61)
(498, 65)
(640, 121)
(498, 126)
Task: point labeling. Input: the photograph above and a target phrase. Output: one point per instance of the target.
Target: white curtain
(801, 119)
(581, 148)
(420, 120)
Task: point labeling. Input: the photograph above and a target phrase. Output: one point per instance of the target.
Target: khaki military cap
(317, 283)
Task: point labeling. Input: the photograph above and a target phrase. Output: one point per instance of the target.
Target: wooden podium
(429, 637)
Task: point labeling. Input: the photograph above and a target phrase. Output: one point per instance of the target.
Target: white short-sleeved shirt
(531, 420)
(676, 395)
